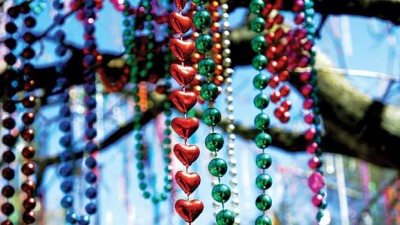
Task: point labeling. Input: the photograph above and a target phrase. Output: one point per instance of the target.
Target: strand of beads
(309, 90)
(185, 127)
(91, 58)
(263, 139)
(209, 91)
(227, 73)
(8, 122)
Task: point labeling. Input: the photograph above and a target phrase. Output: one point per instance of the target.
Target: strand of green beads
(209, 91)
(263, 139)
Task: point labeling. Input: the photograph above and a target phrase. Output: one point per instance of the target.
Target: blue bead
(64, 111)
(90, 177)
(65, 140)
(66, 170)
(61, 50)
(59, 35)
(67, 201)
(89, 29)
(89, 59)
(91, 118)
(91, 147)
(59, 19)
(90, 162)
(90, 89)
(89, 44)
(66, 186)
(58, 4)
(90, 14)
(71, 217)
(84, 220)
(91, 208)
(90, 133)
(64, 97)
(62, 81)
(91, 192)
(90, 3)
(65, 125)
(66, 156)
(90, 102)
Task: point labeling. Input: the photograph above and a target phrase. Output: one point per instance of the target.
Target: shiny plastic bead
(263, 220)
(217, 167)
(261, 101)
(263, 202)
(214, 142)
(211, 116)
(67, 201)
(262, 121)
(263, 140)
(260, 81)
(221, 193)
(209, 91)
(202, 19)
(225, 217)
(263, 161)
(91, 208)
(29, 217)
(257, 24)
(207, 67)
(256, 6)
(259, 62)
(200, 2)
(204, 43)
(263, 181)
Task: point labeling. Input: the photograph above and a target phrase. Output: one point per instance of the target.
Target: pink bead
(305, 76)
(312, 147)
(314, 162)
(309, 118)
(308, 103)
(316, 182)
(308, 45)
(306, 90)
(299, 19)
(310, 134)
(317, 199)
(298, 6)
(301, 33)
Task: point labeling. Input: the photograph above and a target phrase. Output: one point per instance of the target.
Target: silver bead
(226, 52)
(227, 62)
(226, 43)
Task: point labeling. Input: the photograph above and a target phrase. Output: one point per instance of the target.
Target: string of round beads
(209, 91)
(309, 90)
(263, 139)
(183, 101)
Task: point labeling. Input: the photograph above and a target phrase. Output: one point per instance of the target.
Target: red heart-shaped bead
(189, 210)
(187, 181)
(180, 4)
(185, 127)
(182, 100)
(181, 48)
(186, 154)
(182, 74)
(180, 23)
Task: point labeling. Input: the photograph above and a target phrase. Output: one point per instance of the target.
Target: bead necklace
(312, 135)
(185, 127)
(263, 139)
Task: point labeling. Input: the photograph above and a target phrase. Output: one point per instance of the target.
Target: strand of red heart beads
(263, 139)
(209, 91)
(316, 181)
(185, 127)
(9, 138)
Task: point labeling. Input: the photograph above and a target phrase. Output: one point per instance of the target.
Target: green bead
(155, 200)
(263, 220)
(256, 6)
(209, 91)
(139, 165)
(200, 2)
(259, 62)
(264, 181)
(261, 101)
(225, 217)
(204, 43)
(214, 142)
(206, 67)
(168, 187)
(142, 185)
(141, 176)
(319, 215)
(211, 116)
(217, 167)
(146, 195)
(221, 193)
(263, 202)
(263, 140)
(139, 156)
(202, 19)
(263, 161)
(262, 121)
(163, 196)
(257, 24)
(258, 44)
(260, 81)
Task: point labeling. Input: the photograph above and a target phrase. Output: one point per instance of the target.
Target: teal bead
(263, 181)
(262, 121)
(217, 167)
(204, 43)
(214, 142)
(263, 140)
(263, 202)
(319, 215)
(257, 24)
(261, 101)
(200, 2)
(260, 81)
(225, 217)
(142, 186)
(139, 165)
(258, 44)
(141, 176)
(263, 161)
(259, 62)
(221, 193)
(256, 6)
(209, 91)
(211, 116)
(263, 220)
(206, 67)
(202, 19)
(146, 195)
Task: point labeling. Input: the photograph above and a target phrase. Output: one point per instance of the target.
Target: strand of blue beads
(263, 139)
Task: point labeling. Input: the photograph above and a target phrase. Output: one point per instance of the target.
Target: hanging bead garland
(263, 139)
(185, 127)
(309, 90)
